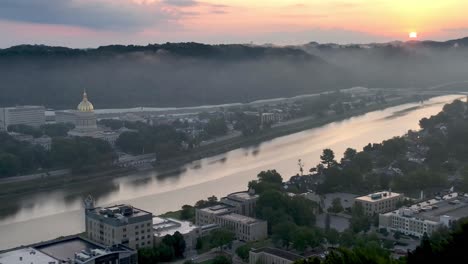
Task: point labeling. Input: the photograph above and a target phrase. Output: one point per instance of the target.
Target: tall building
(22, 115)
(380, 202)
(119, 224)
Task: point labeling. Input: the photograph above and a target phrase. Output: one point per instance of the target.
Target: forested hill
(183, 74)
(232, 52)
(188, 74)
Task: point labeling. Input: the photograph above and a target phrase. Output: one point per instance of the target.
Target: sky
(92, 23)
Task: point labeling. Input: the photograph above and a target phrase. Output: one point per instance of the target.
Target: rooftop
(278, 252)
(378, 196)
(76, 248)
(26, 256)
(241, 218)
(119, 212)
(218, 209)
(168, 226)
(243, 196)
(453, 205)
(66, 249)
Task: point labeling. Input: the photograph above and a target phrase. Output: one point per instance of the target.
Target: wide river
(46, 215)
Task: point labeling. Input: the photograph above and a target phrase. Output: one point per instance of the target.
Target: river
(46, 215)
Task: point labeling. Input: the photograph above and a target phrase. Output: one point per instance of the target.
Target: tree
(270, 176)
(336, 206)
(187, 213)
(221, 237)
(359, 220)
(282, 233)
(243, 252)
(221, 260)
(328, 158)
(349, 154)
(332, 236)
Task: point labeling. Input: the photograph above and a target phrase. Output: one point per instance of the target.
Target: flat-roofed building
(426, 217)
(245, 228)
(380, 202)
(30, 115)
(73, 250)
(169, 226)
(25, 256)
(242, 202)
(120, 224)
(272, 256)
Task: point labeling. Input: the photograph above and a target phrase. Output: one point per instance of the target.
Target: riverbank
(44, 215)
(171, 167)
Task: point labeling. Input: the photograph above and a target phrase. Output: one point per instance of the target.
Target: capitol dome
(85, 105)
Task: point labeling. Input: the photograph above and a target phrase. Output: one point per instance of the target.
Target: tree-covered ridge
(233, 52)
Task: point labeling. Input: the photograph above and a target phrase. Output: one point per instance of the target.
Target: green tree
(187, 213)
(221, 237)
(359, 220)
(221, 260)
(328, 158)
(283, 233)
(336, 206)
(243, 252)
(349, 154)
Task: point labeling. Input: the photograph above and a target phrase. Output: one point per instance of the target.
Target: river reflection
(45, 215)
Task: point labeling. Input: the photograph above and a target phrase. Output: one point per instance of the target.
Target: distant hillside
(399, 64)
(186, 74)
(178, 74)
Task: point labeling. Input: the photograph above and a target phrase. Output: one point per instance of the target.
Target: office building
(426, 217)
(245, 228)
(380, 202)
(71, 250)
(119, 224)
(242, 202)
(22, 115)
(272, 256)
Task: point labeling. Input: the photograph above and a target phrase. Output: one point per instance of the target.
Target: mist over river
(46, 215)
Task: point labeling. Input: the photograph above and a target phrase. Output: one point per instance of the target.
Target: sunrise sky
(90, 23)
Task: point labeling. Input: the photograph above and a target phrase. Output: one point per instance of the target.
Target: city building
(380, 202)
(242, 202)
(22, 115)
(119, 224)
(84, 119)
(427, 216)
(26, 255)
(71, 250)
(169, 226)
(245, 228)
(272, 256)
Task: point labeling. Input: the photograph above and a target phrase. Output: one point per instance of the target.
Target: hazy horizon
(92, 23)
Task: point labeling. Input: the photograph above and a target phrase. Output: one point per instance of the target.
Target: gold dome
(85, 105)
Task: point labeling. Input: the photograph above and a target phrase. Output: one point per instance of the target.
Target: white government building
(85, 122)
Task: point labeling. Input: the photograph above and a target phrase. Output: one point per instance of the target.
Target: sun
(413, 35)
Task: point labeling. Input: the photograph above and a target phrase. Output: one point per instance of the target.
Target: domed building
(85, 119)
